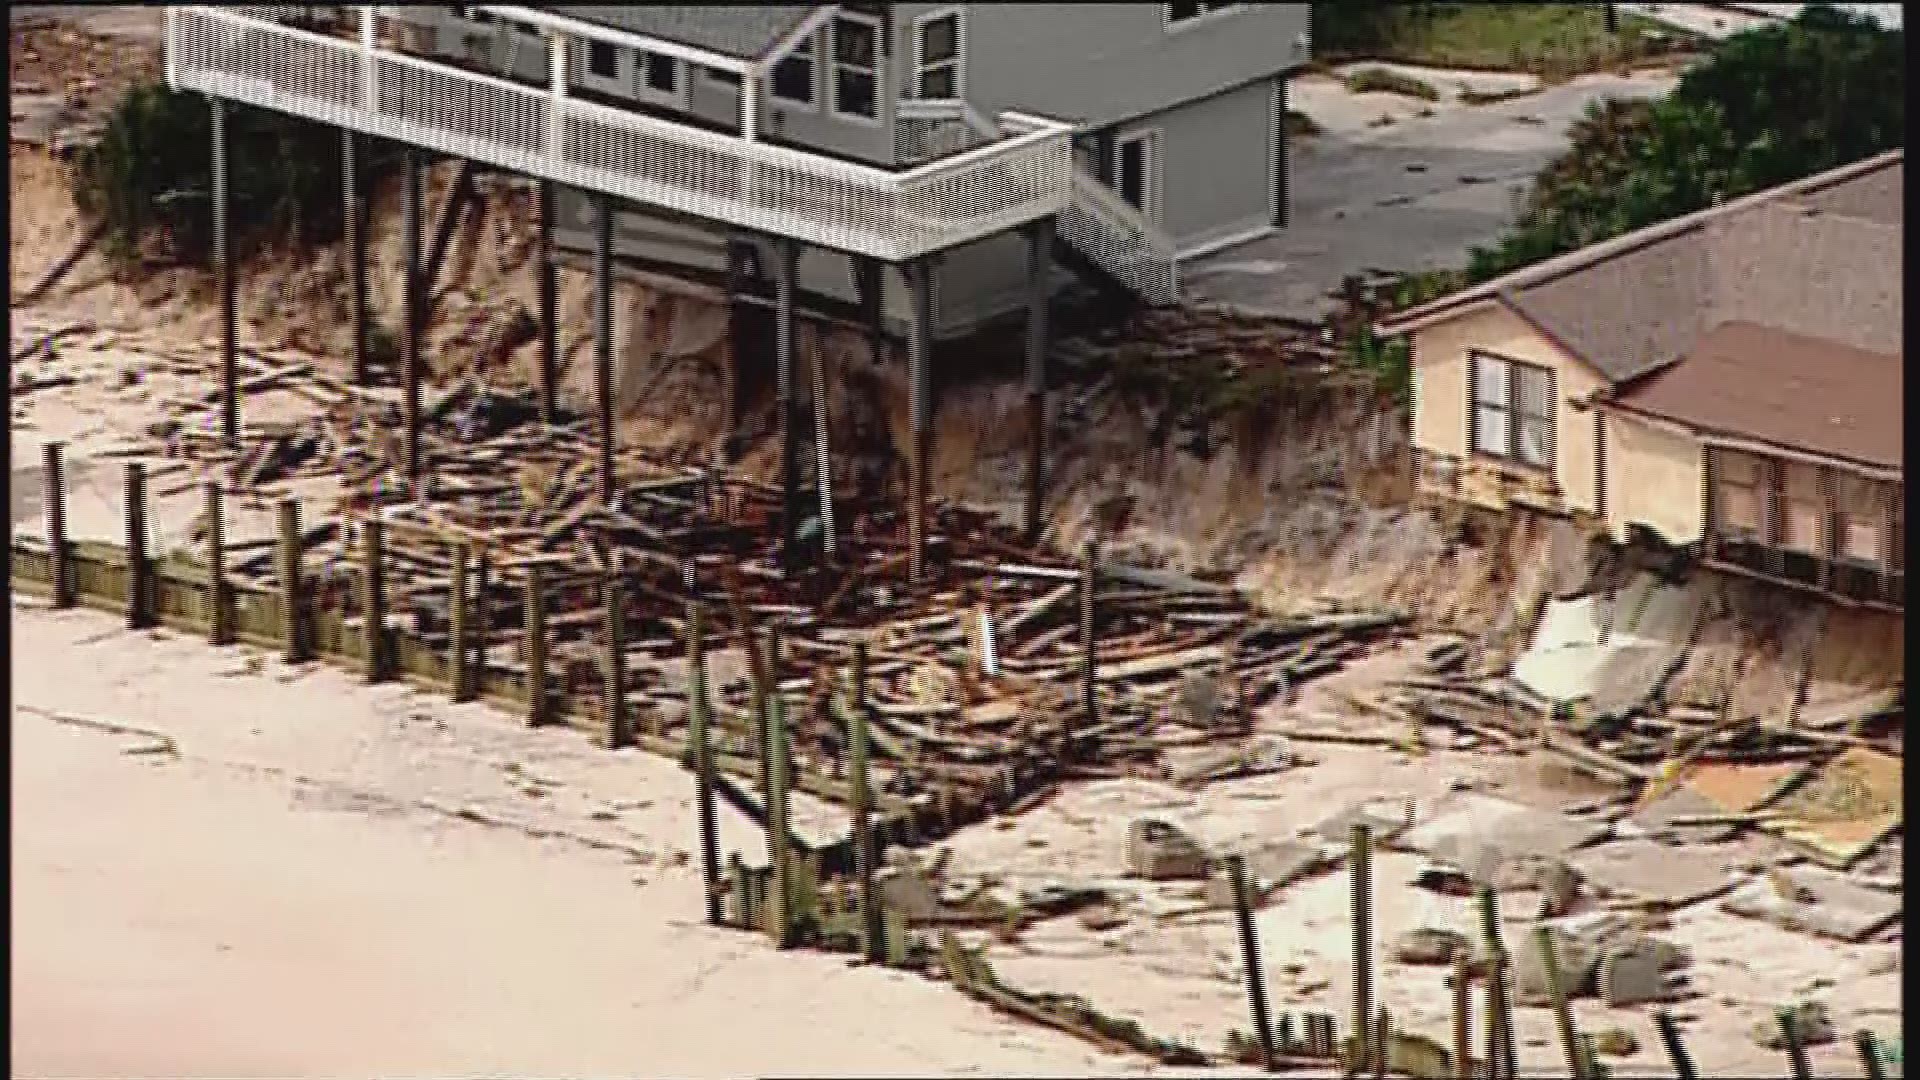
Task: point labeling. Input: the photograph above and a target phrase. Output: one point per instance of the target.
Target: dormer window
(793, 76)
(856, 66)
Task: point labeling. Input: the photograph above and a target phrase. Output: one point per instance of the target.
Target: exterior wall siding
(1214, 164)
(1441, 405)
(1656, 478)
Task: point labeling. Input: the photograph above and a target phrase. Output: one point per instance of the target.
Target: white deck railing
(751, 185)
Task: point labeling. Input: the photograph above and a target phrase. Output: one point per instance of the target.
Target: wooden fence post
(864, 855)
(777, 821)
(219, 600)
(1361, 860)
(537, 702)
(139, 560)
(619, 731)
(459, 618)
(1250, 956)
(290, 580)
(373, 588)
(698, 718)
(58, 548)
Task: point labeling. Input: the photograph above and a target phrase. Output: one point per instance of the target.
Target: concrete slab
(1827, 904)
(1651, 872)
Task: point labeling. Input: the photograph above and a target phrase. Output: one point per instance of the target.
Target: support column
(57, 547)
(459, 623)
(870, 282)
(603, 337)
(736, 346)
(410, 303)
(373, 608)
(546, 282)
(919, 406)
(1039, 245)
(355, 210)
(698, 731)
(619, 733)
(290, 585)
(536, 629)
(786, 254)
(1281, 201)
(223, 260)
(140, 588)
(219, 612)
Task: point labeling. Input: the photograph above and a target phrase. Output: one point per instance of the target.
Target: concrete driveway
(1414, 194)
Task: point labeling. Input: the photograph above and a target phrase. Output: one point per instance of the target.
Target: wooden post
(1869, 1055)
(1362, 888)
(1462, 985)
(290, 580)
(480, 614)
(919, 409)
(355, 212)
(1250, 956)
(763, 663)
(1039, 243)
(1501, 1052)
(737, 889)
(229, 304)
(58, 548)
(459, 637)
(139, 562)
(1089, 659)
(536, 628)
(864, 855)
(219, 602)
(603, 339)
(777, 821)
(413, 307)
(698, 732)
(546, 284)
(619, 732)
(1562, 1012)
(1796, 1049)
(1382, 1038)
(374, 595)
(1676, 1050)
(786, 253)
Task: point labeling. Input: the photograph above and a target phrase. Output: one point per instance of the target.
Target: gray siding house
(1178, 145)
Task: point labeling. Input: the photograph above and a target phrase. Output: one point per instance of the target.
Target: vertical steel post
(1039, 249)
(1250, 956)
(603, 338)
(58, 548)
(546, 283)
(410, 302)
(229, 301)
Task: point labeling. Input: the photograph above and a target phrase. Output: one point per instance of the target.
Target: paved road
(1417, 194)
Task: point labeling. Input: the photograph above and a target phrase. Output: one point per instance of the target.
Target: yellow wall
(1441, 399)
(1655, 478)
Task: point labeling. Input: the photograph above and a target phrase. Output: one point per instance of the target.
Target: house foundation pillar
(355, 215)
(1039, 245)
(410, 303)
(919, 274)
(603, 338)
(785, 262)
(547, 285)
(223, 259)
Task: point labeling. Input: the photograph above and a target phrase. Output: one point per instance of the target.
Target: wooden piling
(699, 732)
(140, 589)
(1462, 986)
(219, 598)
(1562, 1011)
(1361, 860)
(619, 733)
(1676, 1050)
(1250, 957)
(737, 889)
(538, 712)
(1089, 649)
(58, 547)
(763, 646)
(1796, 1049)
(1869, 1055)
(374, 597)
(1501, 1052)
(777, 822)
(290, 588)
(864, 855)
(460, 673)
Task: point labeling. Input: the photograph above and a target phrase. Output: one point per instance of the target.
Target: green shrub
(150, 176)
(1391, 82)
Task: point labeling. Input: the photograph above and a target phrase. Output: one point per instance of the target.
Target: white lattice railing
(1107, 229)
(929, 130)
(813, 198)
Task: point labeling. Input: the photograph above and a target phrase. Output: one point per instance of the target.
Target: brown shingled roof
(1794, 391)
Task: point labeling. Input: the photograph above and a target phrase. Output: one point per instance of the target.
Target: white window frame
(832, 58)
(638, 86)
(1509, 368)
(1151, 174)
(1207, 13)
(811, 50)
(959, 61)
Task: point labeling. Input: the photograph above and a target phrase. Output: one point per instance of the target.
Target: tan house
(1727, 383)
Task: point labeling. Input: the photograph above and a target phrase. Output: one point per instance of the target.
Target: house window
(1136, 165)
(1512, 415)
(793, 77)
(656, 77)
(1178, 14)
(1739, 496)
(856, 66)
(601, 60)
(1803, 505)
(936, 57)
(1862, 522)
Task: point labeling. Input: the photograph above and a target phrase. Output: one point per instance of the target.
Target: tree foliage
(1769, 106)
(150, 176)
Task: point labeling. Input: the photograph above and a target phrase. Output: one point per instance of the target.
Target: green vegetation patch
(1554, 41)
(1382, 80)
